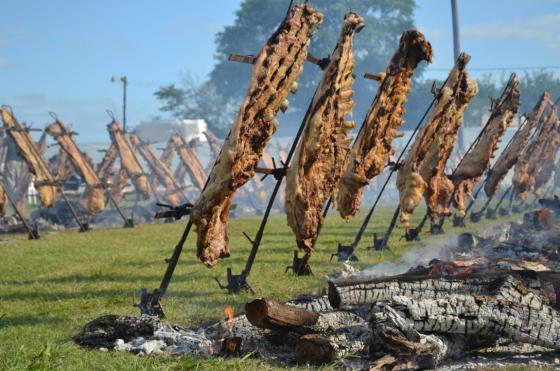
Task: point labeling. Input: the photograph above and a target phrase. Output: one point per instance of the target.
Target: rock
(152, 346)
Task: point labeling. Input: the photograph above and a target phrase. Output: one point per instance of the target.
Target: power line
(522, 68)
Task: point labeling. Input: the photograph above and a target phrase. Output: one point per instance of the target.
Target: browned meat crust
(44, 180)
(477, 161)
(322, 153)
(95, 192)
(510, 156)
(373, 148)
(423, 172)
(275, 71)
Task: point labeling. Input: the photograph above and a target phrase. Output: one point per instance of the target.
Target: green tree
(255, 21)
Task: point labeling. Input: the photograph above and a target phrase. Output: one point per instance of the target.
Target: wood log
(269, 314)
(357, 292)
(314, 349)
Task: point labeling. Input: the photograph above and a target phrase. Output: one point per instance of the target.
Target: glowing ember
(228, 311)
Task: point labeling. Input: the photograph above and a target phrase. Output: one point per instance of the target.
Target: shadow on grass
(27, 320)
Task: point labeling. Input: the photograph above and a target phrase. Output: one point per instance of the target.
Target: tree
(218, 99)
(385, 21)
(195, 99)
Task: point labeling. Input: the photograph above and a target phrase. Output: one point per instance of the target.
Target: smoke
(442, 248)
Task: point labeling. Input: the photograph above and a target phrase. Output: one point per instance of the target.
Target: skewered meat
(190, 161)
(44, 180)
(129, 162)
(275, 71)
(322, 153)
(477, 161)
(509, 156)
(372, 148)
(60, 166)
(214, 143)
(105, 168)
(163, 174)
(95, 191)
(532, 158)
(3, 201)
(423, 170)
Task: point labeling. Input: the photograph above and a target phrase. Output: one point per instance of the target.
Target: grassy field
(51, 287)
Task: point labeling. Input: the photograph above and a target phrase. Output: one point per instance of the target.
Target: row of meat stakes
(326, 165)
(102, 180)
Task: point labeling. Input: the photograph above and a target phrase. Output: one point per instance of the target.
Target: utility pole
(124, 81)
(456, 52)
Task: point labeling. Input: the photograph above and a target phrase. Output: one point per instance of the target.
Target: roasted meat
(95, 192)
(29, 151)
(323, 150)
(510, 155)
(372, 148)
(533, 157)
(469, 171)
(275, 71)
(163, 174)
(190, 162)
(422, 174)
(129, 162)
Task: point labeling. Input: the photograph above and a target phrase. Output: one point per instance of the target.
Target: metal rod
(390, 229)
(119, 211)
(72, 210)
(503, 197)
(32, 235)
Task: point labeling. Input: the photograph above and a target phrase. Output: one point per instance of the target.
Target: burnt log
(314, 349)
(269, 314)
(356, 292)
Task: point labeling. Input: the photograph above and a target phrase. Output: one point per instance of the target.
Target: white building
(160, 130)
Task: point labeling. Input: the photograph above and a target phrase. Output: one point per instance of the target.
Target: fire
(228, 311)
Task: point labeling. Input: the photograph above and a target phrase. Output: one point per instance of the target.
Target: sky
(60, 55)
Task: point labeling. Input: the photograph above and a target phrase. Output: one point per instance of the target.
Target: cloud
(543, 29)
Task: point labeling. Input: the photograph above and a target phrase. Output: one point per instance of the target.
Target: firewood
(314, 349)
(269, 314)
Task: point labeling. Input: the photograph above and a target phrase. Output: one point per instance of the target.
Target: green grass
(51, 287)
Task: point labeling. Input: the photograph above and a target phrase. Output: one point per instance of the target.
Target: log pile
(275, 71)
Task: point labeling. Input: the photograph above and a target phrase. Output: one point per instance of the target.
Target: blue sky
(60, 55)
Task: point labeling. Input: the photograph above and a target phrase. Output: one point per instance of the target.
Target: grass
(51, 287)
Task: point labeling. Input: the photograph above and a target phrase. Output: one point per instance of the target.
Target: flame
(228, 311)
